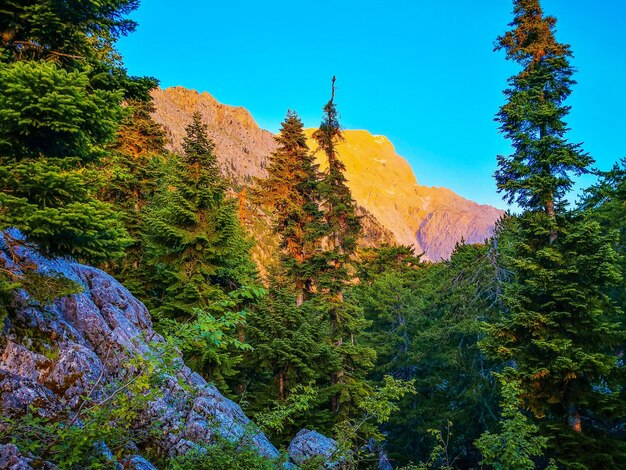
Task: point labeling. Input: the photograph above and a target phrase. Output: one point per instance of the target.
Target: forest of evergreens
(509, 355)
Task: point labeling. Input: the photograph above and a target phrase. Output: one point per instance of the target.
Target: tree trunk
(281, 385)
(241, 336)
(299, 292)
(550, 199)
(574, 419)
(334, 401)
(552, 217)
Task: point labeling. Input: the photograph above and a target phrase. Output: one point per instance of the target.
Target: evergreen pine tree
(342, 228)
(518, 443)
(132, 170)
(61, 86)
(557, 326)
(425, 327)
(290, 192)
(288, 339)
(46, 29)
(76, 35)
(53, 126)
(339, 209)
(289, 336)
(202, 268)
(605, 202)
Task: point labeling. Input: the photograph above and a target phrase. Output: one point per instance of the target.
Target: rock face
(309, 445)
(241, 145)
(12, 459)
(83, 343)
(430, 219)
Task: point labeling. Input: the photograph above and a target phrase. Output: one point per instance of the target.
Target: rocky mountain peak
(242, 147)
(431, 219)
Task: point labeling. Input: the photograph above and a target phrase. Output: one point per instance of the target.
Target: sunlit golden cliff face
(430, 219)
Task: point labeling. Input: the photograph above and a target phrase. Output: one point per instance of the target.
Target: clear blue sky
(421, 72)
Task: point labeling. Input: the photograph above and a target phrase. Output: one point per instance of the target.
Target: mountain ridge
(430, 219)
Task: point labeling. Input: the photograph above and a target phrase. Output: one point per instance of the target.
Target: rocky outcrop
(137, 462)
(310, 446)
(241, 145)
(79, 346)
(383, 184)
(12, 459)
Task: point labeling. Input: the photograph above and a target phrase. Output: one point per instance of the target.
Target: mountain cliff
(240, 144)
(430, 219)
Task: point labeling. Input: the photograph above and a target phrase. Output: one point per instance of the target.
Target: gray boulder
(86, 342)
(309, 445)
(12, 459)
(137, 462)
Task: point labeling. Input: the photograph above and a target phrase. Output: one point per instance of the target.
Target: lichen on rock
(92, 341)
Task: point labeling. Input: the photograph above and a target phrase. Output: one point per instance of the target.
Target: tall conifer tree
(132, 170)
(288, 340)
(203, 271)
(606, 202)
(556, 330)
(61, 87)
(291, 193)
(285, 329)
(342, 228)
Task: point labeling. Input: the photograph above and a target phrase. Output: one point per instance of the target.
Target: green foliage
(75, 34)
(305, 330)
(538, 174)
(275, 420)
(224, 455)
(43, 289)
(291, 348)
(391, 348)
(338, 208)
(605, 202)
(559, 330)
(48, 29)
(61, 85)
(290, 192)
(341, 231)
(426, 327)
(390, 296)
(374, 262)
(288, 329)
(518, 444)
(53, 125)
(558, 324)
(49, 111)
(374, 409)
(382, 403)
(440, 454)
(132, 170)
(205, 339)
(71, 447)
(202, 269)
(287, 338)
